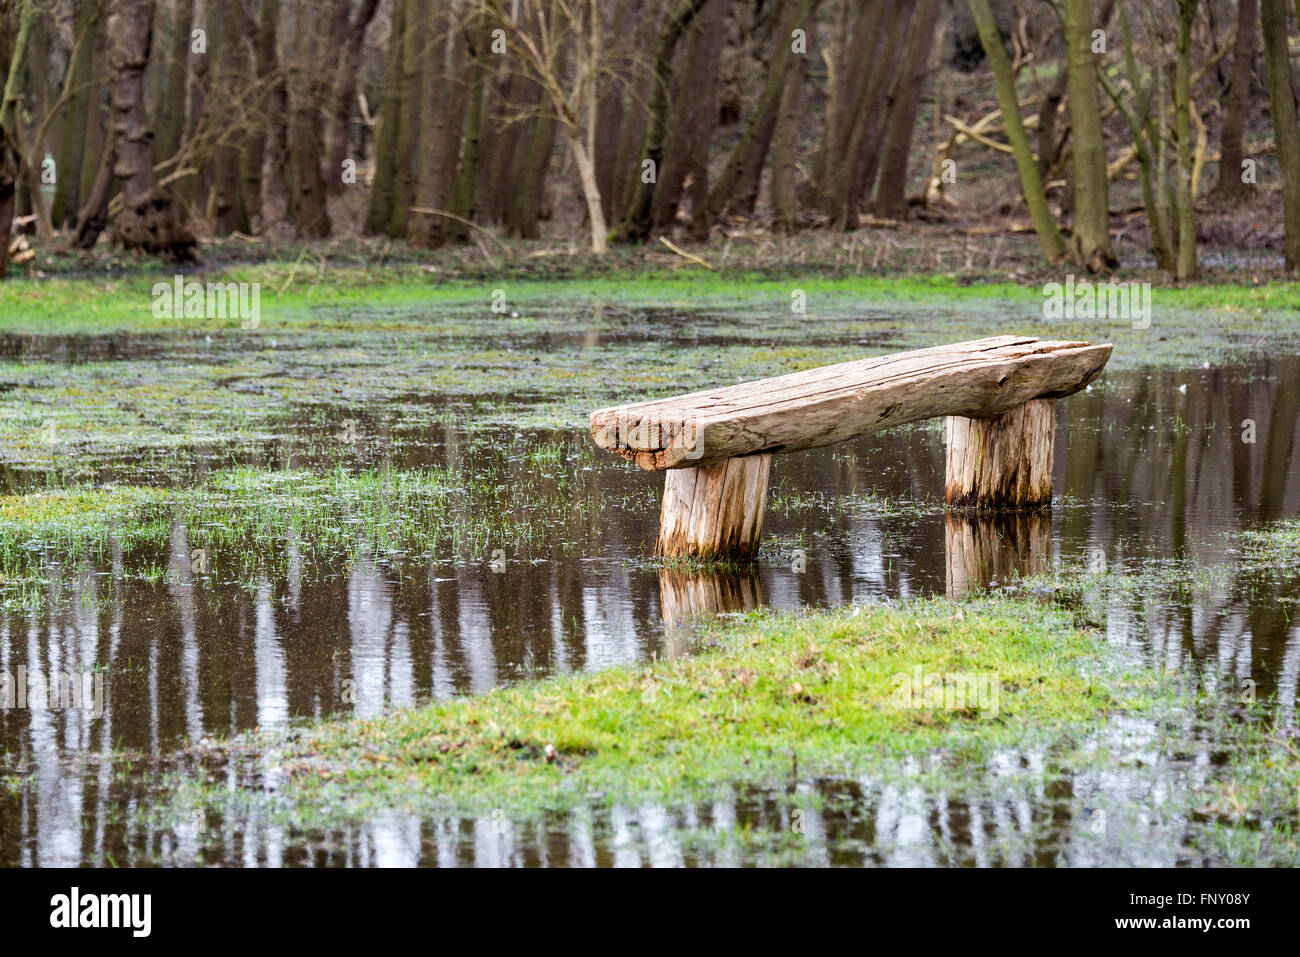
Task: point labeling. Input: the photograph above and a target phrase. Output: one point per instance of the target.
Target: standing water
(545, 570)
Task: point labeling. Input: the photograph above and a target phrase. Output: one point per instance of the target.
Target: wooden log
(979, 549)
(1004, 461)
(714, 511)
(804, 410)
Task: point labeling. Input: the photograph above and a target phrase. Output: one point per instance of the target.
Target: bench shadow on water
(1150, 471)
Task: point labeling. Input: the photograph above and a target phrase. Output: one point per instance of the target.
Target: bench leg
(1004, 461)
(714, 511)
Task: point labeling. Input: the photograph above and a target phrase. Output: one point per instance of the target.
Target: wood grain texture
(822, 406)
(1004, 461)
(714, 511)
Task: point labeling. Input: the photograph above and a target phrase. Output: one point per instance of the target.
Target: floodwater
(1150, 468)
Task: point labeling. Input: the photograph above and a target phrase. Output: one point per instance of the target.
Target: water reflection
(1150, 466)
(1033, 807)
(684, 595)
(981, 549)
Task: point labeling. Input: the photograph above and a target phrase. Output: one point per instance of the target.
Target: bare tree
(637, 219)
(308, 198)
(891, 195)
(67, 193)
(426, 226)
(1185, 190)
(538, 32)
(1049, 236)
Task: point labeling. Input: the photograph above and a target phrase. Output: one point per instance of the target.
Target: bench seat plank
(822, 406)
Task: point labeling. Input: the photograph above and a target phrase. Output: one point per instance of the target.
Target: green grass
(348, 297)
(1276, 547)
(765, 694)
(772, 700)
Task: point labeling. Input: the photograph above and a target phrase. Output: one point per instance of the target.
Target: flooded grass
(1276, 548)
(384, 499)
(797, 712)
(767, 695)
(243, 523)
(393, 355)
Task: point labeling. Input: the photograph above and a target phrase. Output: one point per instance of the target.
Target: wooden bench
(998, 395)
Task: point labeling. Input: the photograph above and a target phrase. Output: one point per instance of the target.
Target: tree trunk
(194, 189)
(744, 196)
(31, 199)
(264, 65)
(1090, 243)
(524, 210)
(94, 211)
(1186, 197)
(311, 212)
(345, 89)
(862, 125)
(171, 120)
(1145, 149)
(277, 134)
(891, 195)
(758, 132)
(1049, 237)
(383, 188)
(590, 191)
(637, 221)
(1230, 183)
(1286, 127)
(709, 106)
(67, 193)
(10, 160)
(693, 115)
(503, 141)
(1048, 144)
(628, 17)
(148, 219)
(408, 133)
(98, 141)
(428, 230)
(464, 186)
(785, 143)
(626, 169)
(837, 90)
(226, 206)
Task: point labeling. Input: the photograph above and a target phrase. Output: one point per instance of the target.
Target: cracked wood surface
(803, 410)
(716, 510)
